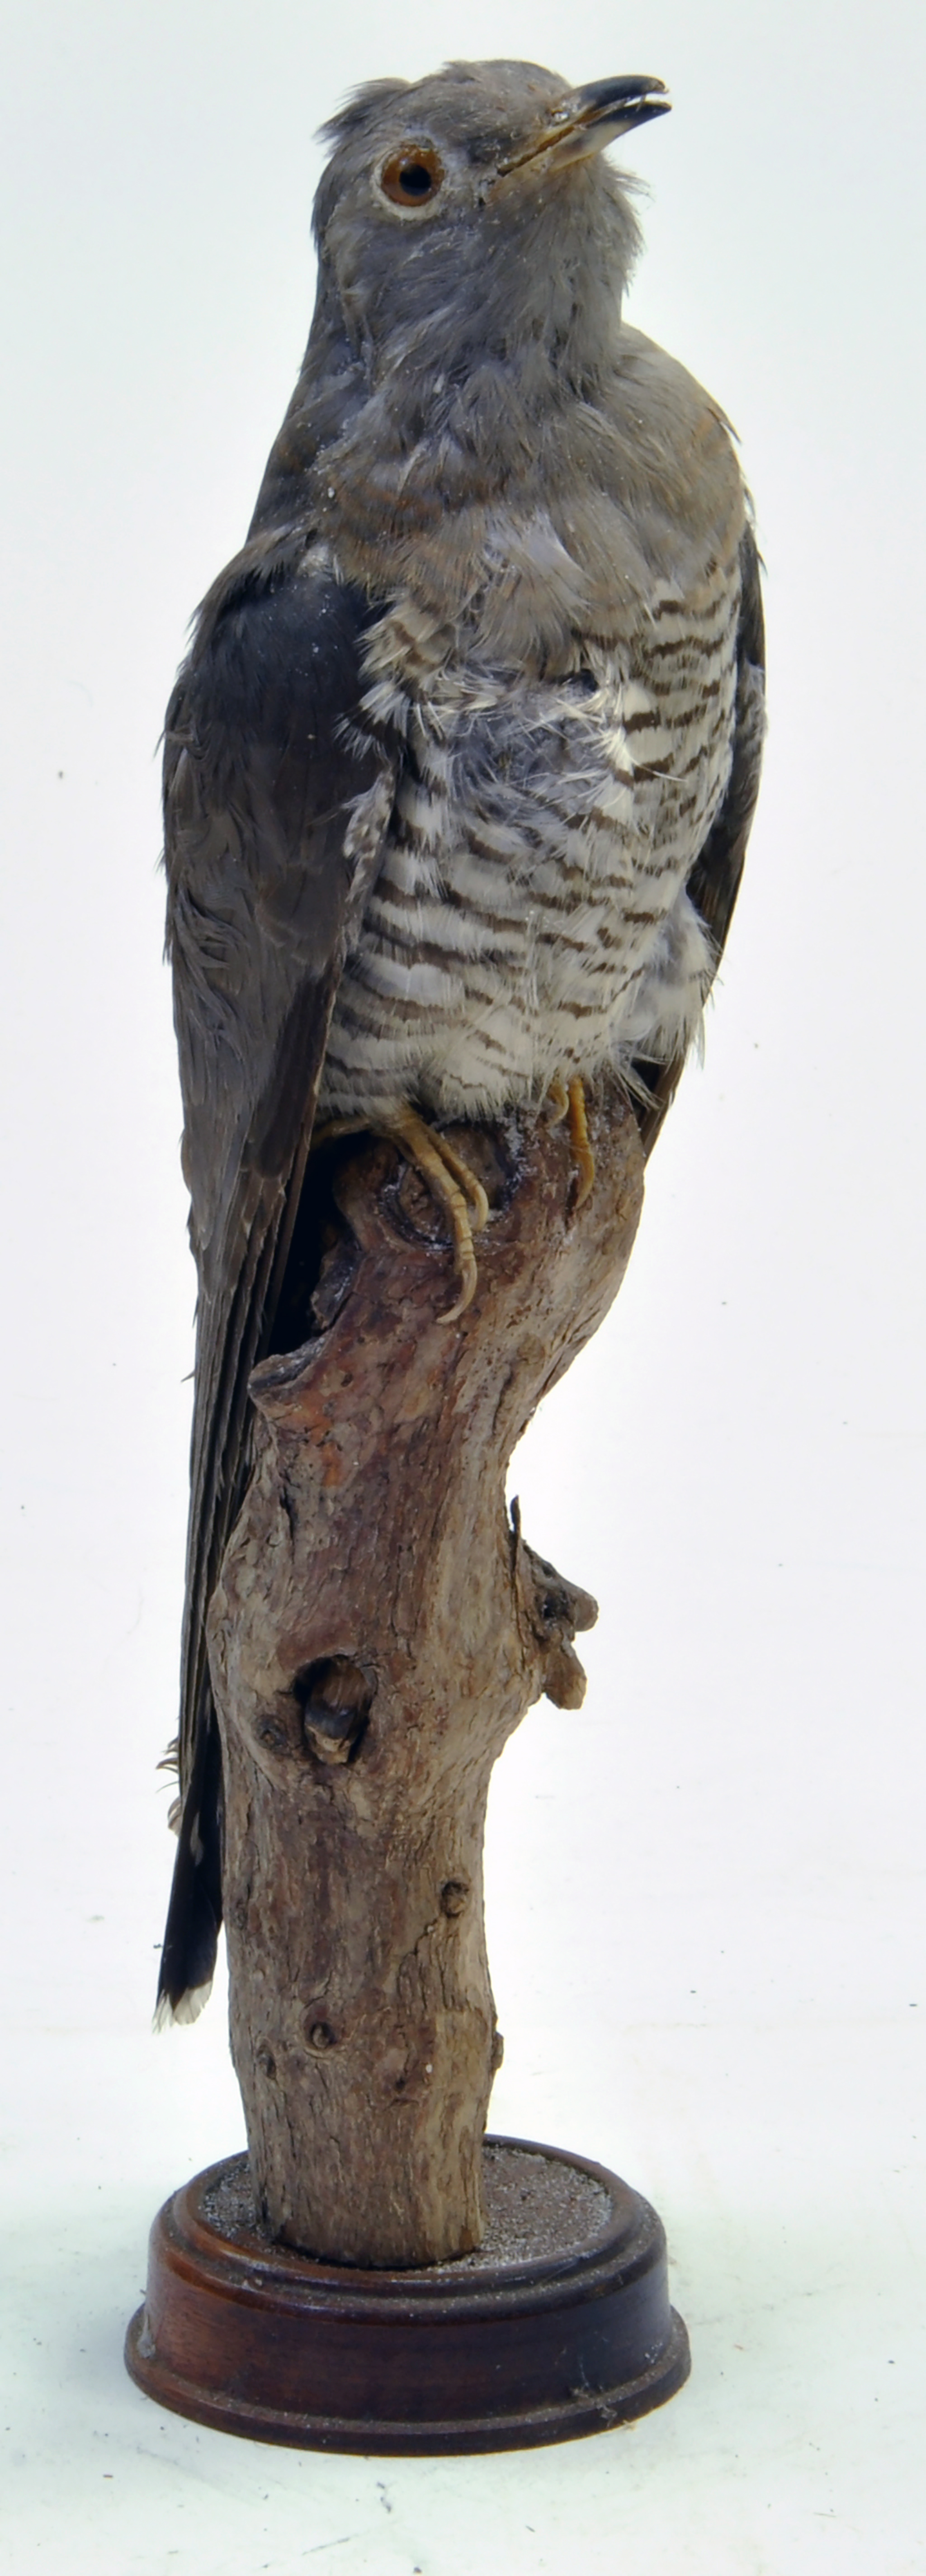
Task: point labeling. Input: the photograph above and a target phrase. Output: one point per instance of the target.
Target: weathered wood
(378, 1631)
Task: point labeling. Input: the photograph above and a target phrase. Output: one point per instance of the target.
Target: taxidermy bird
(460, 768)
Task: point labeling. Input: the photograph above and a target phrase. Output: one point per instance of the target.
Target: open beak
(591, 117)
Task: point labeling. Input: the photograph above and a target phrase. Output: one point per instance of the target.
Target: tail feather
(195, 1910)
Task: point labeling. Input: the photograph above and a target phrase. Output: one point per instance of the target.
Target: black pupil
(415, 180)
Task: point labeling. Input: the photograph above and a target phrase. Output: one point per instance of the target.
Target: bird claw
(451, 1182)
(467, 1273)
(558, 1098)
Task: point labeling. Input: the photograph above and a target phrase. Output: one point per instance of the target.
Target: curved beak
(591, 117)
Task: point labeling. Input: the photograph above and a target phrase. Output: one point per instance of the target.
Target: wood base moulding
(558, 2325)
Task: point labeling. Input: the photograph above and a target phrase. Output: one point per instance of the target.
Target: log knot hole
(321, 2037)
(335, 1696)
(454, 1897)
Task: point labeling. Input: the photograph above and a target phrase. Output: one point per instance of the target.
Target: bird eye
(413, 176)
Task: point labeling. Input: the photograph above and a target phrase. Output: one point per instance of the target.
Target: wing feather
(275, 810)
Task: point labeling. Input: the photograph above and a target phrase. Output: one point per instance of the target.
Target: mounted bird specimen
(460, 768)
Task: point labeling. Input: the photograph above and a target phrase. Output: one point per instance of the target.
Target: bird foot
(567, 1100)
(450, 1181)
(452, 1184)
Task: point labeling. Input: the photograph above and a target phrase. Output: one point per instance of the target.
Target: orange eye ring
(412, 176)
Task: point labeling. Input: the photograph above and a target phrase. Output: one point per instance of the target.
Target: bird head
(470, 217)
(474, 245)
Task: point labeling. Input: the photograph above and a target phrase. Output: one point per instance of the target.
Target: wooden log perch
(379, 1629)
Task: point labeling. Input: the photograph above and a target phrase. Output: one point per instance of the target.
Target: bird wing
(714, 882)
(275, 809)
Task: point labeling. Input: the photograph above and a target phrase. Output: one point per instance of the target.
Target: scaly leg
(580, 1140)
(568, 1099)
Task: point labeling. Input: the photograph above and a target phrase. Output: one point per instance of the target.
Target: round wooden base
(560, 2324)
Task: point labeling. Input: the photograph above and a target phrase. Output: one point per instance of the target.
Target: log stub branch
(379, 1629)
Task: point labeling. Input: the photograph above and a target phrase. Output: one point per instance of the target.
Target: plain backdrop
(705, 1891)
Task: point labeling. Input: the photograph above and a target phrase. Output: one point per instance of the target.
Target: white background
(705, 1907)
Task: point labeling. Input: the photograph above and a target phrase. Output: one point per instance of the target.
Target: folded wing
(275, 810)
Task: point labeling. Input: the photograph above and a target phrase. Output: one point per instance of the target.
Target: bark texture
(379, 1629)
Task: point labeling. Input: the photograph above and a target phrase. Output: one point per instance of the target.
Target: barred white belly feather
(530, 916)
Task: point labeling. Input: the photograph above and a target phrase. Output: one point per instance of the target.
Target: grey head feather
(468, 358)
(523, 273)
(466, 326)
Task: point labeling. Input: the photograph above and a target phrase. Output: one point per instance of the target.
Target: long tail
(195, 1910)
